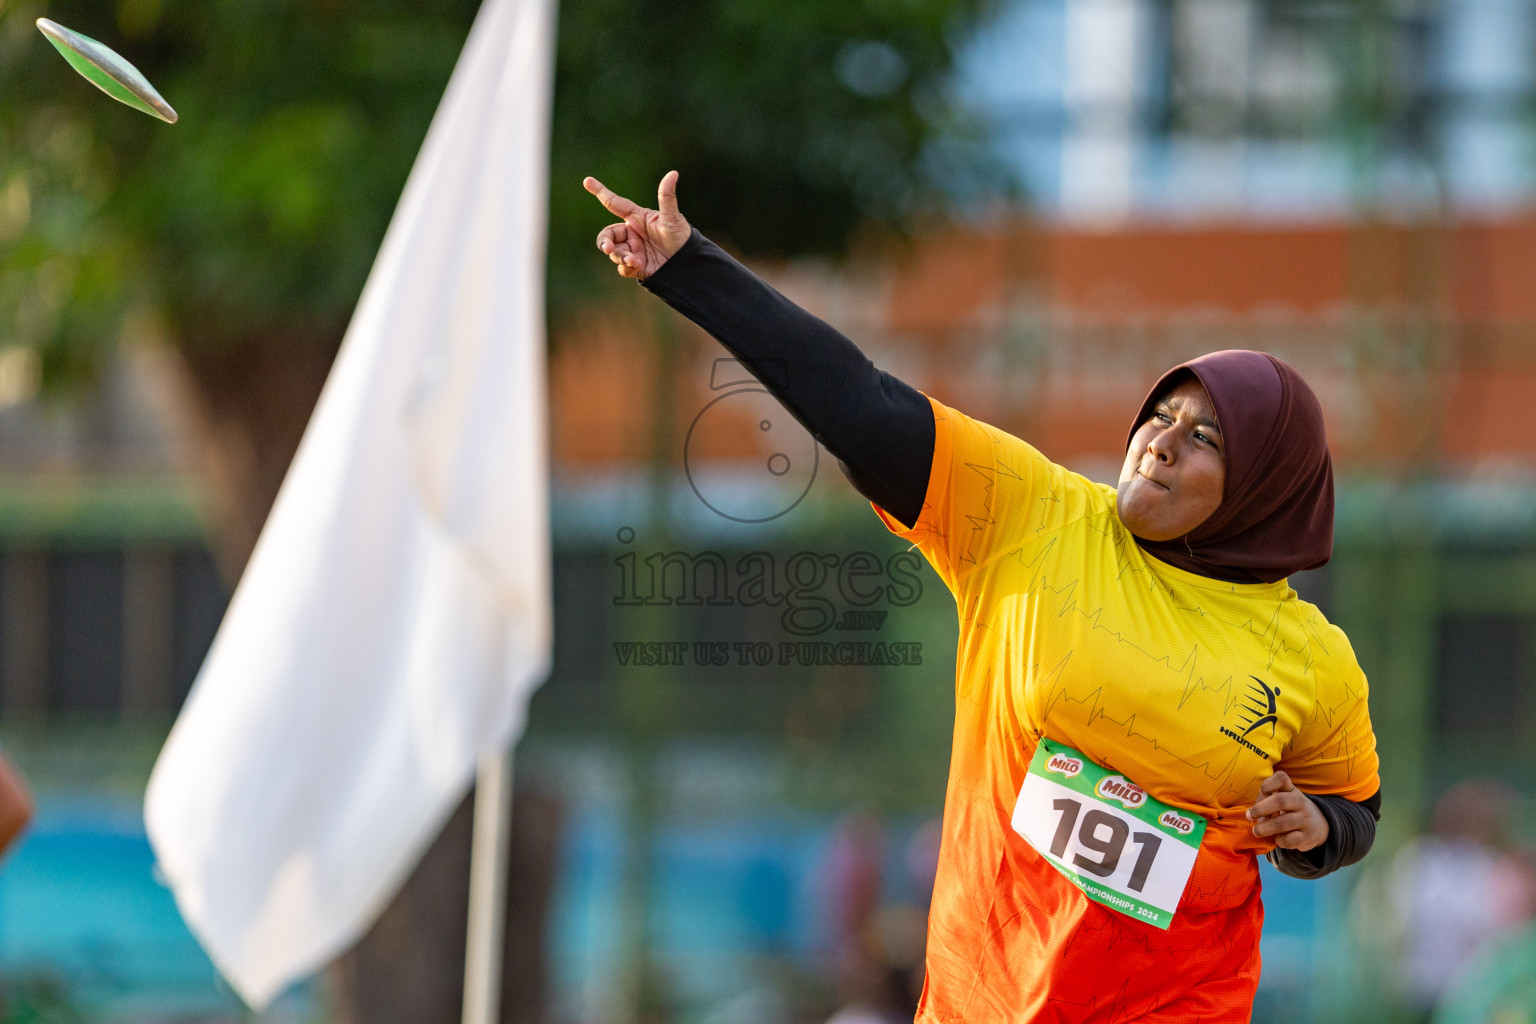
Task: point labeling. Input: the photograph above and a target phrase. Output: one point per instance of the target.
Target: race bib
(1110, 837)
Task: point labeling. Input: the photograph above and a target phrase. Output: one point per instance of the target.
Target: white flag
(395, 614)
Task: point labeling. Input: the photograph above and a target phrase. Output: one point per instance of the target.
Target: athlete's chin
(1136, 503)
(1154, 520)
(1146, 523)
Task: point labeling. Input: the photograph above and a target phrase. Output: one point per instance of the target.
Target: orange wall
(1420, 339)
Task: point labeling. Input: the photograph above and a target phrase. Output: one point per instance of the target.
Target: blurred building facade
(1286, 110)
(108, 594)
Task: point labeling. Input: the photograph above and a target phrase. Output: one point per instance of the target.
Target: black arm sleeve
(879, 429)
(1351, 831)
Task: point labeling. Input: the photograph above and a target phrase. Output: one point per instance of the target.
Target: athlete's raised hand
(1285, 814)
(647, 238)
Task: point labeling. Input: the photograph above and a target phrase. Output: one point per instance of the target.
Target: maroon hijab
(1276, 511)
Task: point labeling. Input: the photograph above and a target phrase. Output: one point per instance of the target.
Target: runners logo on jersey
(1061, 764)
(1258, 709)
(1118, 787)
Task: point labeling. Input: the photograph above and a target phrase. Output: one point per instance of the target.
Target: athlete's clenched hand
(1283, 813)
(647, 238)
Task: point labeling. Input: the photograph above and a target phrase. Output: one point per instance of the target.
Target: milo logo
(1177, 822)
(1061, 764)
(1118, 787)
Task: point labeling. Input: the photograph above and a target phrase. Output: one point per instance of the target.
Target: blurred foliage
(38, 997)
(262, 208)
(791, 123)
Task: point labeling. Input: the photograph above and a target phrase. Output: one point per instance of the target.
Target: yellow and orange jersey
(1194, 688)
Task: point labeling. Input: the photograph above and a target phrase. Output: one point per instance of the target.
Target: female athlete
(1143, 705)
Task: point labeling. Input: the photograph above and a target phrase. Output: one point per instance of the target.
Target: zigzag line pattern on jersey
(1102, 933)
(1219, 774)
(984, 519)
(1061, 601)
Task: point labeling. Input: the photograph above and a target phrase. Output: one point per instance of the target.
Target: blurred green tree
(243, 233)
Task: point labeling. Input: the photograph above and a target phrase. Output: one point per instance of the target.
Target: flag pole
(484, 945)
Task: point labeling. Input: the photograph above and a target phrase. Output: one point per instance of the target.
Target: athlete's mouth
(1157, 483)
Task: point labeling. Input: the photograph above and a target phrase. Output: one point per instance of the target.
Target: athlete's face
(1175, 467)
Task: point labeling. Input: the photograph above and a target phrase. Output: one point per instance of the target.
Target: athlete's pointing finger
(611, 200)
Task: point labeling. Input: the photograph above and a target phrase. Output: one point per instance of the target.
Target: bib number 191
(1118, 844)
(1109, 848)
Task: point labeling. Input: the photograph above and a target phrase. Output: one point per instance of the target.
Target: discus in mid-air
(107, 71)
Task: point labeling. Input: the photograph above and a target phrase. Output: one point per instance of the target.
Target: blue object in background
(1302, 925)
(80, 905)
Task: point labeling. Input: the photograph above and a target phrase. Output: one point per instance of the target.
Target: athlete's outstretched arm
(879, 428)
